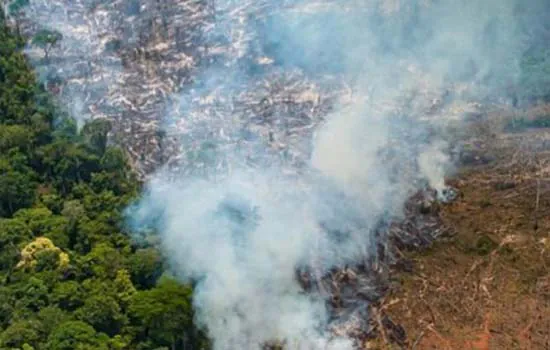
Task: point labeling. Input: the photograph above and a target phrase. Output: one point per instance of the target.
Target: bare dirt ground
(488, 286)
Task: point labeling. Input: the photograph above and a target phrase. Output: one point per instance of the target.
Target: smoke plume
(256, 196)
(243, 233)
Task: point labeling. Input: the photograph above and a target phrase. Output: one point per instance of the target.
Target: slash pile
(352, 292)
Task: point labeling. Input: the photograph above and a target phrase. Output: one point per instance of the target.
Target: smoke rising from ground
(248, 218)
(399, 58)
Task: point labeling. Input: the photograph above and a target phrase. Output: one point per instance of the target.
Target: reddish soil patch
(488, 287)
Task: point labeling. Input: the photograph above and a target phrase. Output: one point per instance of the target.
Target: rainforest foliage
(70, 276)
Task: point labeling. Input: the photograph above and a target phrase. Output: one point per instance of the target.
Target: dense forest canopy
(70, 276)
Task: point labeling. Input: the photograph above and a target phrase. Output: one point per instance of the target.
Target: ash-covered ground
(174, 74)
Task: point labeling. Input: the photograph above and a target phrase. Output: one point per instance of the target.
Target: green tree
(119, 342)
(164, 315)
(49, 317)
(124, 287)
(75, 213)
(66, 164)
(76, 335)
(66, 129)
(95, 135)
(15, 6)
(20, 333)
(115, 161)
(7, 307)
(46, 40)
(31, 294)
(42, 222)
(52, 200)
(103, 202)
(17, 190)
(146, 266)
(103, 313)
(68, 295)
(15, 10)
(16, 81)
(46, 260)
(104, 261)
(12, 233)
(14, 136)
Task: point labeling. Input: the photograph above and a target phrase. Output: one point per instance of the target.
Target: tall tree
(95, 135)
(165, 315)
(76, 335)
(46, 40)
(15, 10)
(17, 190)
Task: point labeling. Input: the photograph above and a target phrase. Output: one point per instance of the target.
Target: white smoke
(240, 235)
(433, 163)
(247, 293)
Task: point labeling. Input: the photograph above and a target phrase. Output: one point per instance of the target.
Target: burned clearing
(488, 287)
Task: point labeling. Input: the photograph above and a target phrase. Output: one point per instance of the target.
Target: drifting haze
(80, 58)
(241, 234)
